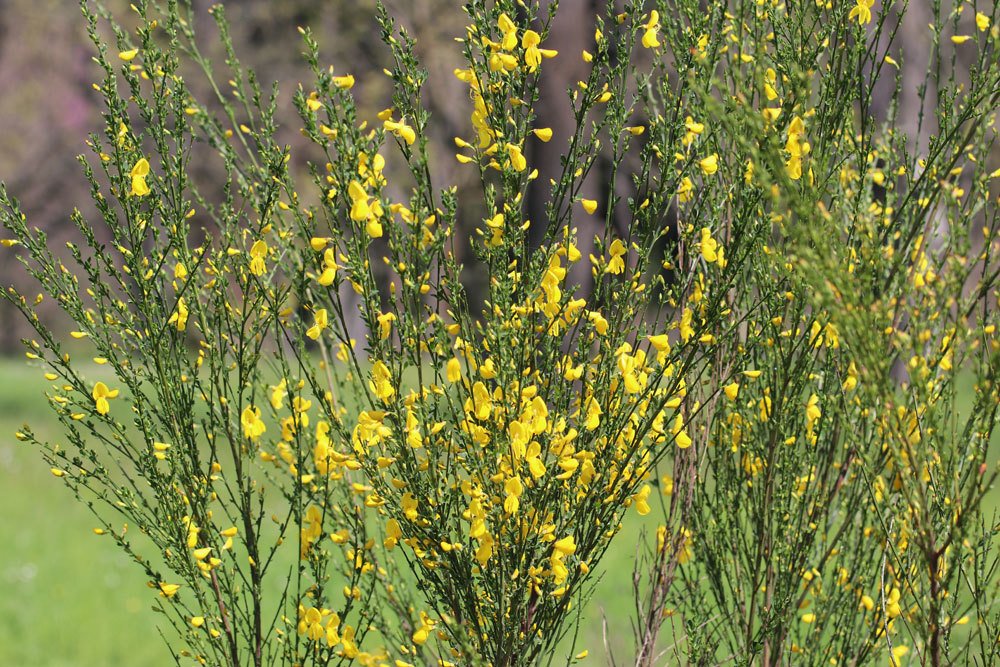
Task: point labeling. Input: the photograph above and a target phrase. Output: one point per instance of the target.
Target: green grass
(71, 598)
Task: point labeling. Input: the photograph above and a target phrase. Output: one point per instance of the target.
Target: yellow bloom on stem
(509, 31)
(453, 370)
(481, 401)
(180, 315)
(709, 165)
(544, 134)
(138, 174)
(360, 211)
(709, 246)
(409, 504)
(517, 159)
(253, 425)
(101, 396)
(618, 251)
(513, 488)
(322, 321)
(589, 205)
(381, 382)
(642, 500)
(385, 321)
(330, 267)
(650, 38)
(862, 12)
(532, 54)
(168, 590)
(128, 55)
(392, 533)
(258, 252)
(796, 147)
(344, 82)
(685, 190)
(278, 393)
(600, 324)
(402, 130)
(565, 547)
(661, 342)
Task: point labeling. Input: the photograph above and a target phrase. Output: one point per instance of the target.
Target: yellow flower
(180, 316)
(253, 425)
(564, 547)
(481, 401)
(101, 396)
(321, 322)
(128, 55)
(709, 246)
(661, 342)
(330, 267)
(589, 205)
(685, 191)
(693, 128)
(862, 12)
(642, 500)
(684, 327)
(422, 633)
(709, 165)
(813, 411)
(392, 533)
(401, 129)
(360, 211)
(138, 174)
(544, 134)
(278, 393)
(982, 22)
(258, 251)
(600, 324)
(618, 251)
(409, 504)
(168, 590)
(509, 31)
(532, 54)
(344, 82)
(770, 78)
(385, 321)
(313, 102)
(381, 382)
(808, 617)
(960, 39)
(796, 147)
(453, 370)
(513, 488)
(649, 36)
(517, 160)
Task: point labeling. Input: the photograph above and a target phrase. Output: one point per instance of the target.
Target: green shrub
(774, 355)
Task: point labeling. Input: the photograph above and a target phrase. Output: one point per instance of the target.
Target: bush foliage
(322, 450)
